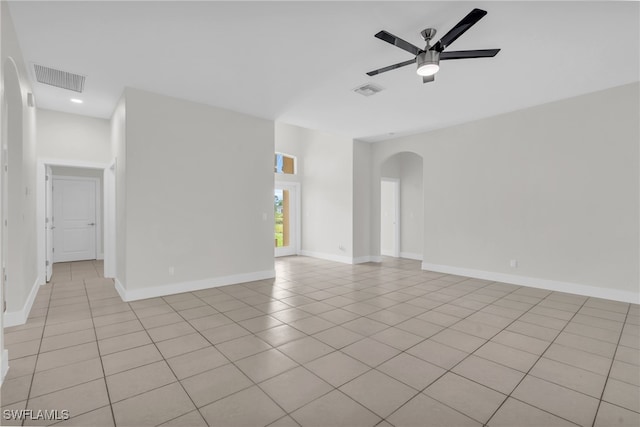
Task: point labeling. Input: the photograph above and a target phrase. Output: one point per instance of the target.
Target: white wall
(361, 201)
(67, 136)
(19, 136)
(554, 186)
(407, 167)
(326, 171)
(389, 198)
(199, 195)
(118, 152)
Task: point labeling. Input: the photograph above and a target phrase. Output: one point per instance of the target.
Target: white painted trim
(367, 258)
(19, 317)
(534, 282)
(298, 216)
(120, 289)
(5, 365)
(40, 200)
(194, 285)
(100, 256)
(329, 257)
(411, 255)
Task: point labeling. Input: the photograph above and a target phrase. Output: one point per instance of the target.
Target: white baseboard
(411, 255)
(341, 258)
(534, 282)
(329, 257)
(5, 365)
(120, 289)
(19, 317)
(367, 258)
(194, 285)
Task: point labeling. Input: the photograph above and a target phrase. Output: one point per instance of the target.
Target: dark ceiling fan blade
(467, 54)
(396, 41)
(428, 79)
(467, 22)
(391, 67)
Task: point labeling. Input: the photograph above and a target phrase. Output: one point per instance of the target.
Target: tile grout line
(168, 365)
(462, 360)
(104, 374)
(613, 360)
(35, 366)
(535, 363)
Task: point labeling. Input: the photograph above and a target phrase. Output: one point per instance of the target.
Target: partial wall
(19, 179)
(198, 190)
(325, 170)
(553, 188)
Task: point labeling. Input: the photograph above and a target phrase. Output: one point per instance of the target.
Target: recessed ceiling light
(77, 101)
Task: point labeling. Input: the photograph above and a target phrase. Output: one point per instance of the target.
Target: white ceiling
(299, 61)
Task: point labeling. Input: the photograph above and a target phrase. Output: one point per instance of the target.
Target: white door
(74, 235)
(48, 222)
(286, 219)
(389, 217)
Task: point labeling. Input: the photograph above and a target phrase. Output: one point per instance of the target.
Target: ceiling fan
(428, 59)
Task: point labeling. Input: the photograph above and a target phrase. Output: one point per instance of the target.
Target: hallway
(325, 344)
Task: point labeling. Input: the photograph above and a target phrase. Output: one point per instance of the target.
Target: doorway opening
(401, 206)
(74, 205)
(389, 217)
(286, 228)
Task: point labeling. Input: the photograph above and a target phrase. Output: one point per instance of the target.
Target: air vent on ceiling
(59, 78)
(368, 89)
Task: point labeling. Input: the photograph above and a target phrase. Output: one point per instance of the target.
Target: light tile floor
(326, 344)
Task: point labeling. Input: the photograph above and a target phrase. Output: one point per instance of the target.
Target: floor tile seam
(553, 381)
(624, 381)
(534, 364)
(538, 408)
(448, 327)
(430, 397)
(618, 406)
(114, 323)
(332, 388)
(82, 413)
(171, 369)
(587, 351)
(473, 352)
(104, 375)
(67, 387)
(35, 366)
(341, 392)
(606, 382)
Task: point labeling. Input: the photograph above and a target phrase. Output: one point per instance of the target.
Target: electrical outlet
(172, 271)
(513, 263)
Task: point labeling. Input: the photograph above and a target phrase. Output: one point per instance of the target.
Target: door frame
(98, 215)
(292, 186)
(40, 207)
(48, 222)
(396, 209)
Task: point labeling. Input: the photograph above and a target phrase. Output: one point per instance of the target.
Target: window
(284, 164)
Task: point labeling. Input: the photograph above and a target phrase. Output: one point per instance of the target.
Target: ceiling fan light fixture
(428, 63)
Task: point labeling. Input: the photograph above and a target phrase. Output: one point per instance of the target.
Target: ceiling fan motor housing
(428, 62)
